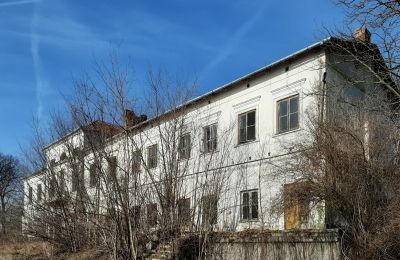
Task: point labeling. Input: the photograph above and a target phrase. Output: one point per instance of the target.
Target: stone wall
(255, 245)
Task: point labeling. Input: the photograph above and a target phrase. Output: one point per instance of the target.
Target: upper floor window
(52, 187)
(247, 127)
(288, 114)
(63, 156)
(30, 192)
(184, 146)
(136, 161)
(152, 156)
(94, 175)
(39, 192)
(249, 205)
(210, 138)
(112, 168)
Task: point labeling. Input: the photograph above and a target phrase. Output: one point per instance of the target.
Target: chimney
(362, 34)
(131, 119)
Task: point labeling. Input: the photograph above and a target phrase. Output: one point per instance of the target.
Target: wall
(278, 245)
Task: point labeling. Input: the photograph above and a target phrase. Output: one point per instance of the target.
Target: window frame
(184, 153)
(213, 140)
(288, 114)
(151, 156)
(245, 114)
(250, 205)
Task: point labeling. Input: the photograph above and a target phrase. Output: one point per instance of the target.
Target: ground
(39, 250)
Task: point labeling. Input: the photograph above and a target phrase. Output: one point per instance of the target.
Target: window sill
(287, 132)
(247, 143)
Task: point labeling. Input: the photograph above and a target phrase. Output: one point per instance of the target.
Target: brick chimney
(131, 119)
(362, 34)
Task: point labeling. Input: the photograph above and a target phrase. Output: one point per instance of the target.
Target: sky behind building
(45, 44)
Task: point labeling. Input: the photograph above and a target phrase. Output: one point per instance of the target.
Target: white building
(231, 142)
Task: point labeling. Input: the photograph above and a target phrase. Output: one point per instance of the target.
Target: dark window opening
(249, 205)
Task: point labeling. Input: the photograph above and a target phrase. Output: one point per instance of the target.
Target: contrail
(22, 2)
(36, 64)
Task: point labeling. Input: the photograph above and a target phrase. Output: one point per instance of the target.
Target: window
(209, 209)
(75, 181)
(288, 114)
(63, 156)
(62, 181)
(77, 177)
(247, 127)
(135, 213)
(152, 214)
(93, 175)
(210, 138)
(152, 156)
(39, 192)
(184, 211)
(249, 205)
(112, 168)
(184, 147)
(30, 194)
(136, 161)
(52, 187)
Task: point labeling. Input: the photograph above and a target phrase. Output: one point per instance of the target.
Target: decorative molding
(211, 117)
(291, 85)
(247, 102)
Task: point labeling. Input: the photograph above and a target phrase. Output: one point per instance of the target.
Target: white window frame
(247, 126)
(205, 141)
(277, 105)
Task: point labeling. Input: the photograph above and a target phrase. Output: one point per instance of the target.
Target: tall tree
(10, 184)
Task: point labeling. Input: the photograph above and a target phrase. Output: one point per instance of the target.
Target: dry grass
(39, 250)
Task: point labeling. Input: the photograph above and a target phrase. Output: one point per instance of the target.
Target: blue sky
(45, 44)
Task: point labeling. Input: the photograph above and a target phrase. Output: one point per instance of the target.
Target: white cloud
(22, 2)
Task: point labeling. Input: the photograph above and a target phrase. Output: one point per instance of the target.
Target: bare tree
(10, 191)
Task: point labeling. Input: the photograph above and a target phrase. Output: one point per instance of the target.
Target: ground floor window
(249, 204)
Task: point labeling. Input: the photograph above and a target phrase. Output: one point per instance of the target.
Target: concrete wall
(307, 244)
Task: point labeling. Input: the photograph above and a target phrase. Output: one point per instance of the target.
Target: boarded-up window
(209, 209)
(184, 211)
(296, 205)
(152, 214)
(249, 205)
